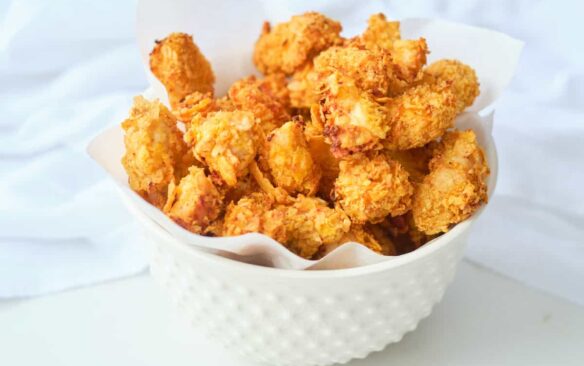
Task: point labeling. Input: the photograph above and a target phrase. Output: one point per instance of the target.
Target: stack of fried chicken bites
(341, 140)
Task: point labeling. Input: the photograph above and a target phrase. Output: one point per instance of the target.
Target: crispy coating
(291, 164)
(409, 57)
(353, 120)
(155, 154)
(303, 87)
(289, 46)
(420, 115)
(414, 161)
(181, 67)
(195, 202)
(358, 234)
(195, 104)
(226, 142)
(371, 187)
(465, 83)
(310, 223)
(456, 186)
(255, 213)
(265, 99)
(370, 69)
(245, 186)
(328, 164)
(380, 32)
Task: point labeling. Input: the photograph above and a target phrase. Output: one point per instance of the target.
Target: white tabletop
(484, 319)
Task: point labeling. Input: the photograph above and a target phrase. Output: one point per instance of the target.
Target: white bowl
(297, 318)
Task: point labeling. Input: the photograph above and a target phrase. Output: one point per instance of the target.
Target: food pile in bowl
(342, 139)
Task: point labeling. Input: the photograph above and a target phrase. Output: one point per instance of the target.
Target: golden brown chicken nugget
(353, 120)
(420, 115)
(181, 67)
(465, 83)
(304, 87)
(291, 164)
(456, 186)
(156, 154)
(380, 32)
(265, 99)
(226, 142)
(289, 46)
(369, 188)
(195, 202)
(310, 223)
(255, 213)
(370, 69)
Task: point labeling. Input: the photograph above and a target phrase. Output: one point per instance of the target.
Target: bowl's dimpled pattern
(298, 321)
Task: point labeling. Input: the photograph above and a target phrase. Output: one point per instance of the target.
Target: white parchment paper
(227, 40)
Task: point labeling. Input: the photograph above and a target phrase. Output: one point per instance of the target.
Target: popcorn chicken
(195, 104)
(181, 67)
(226, 142)
(289, 46)
(369, 69)
(358, 234)
(303, 87)
(195, 202)
(155, 154)
(267, 99)
(380, 32)
(310, 223)
(290, 162)
(414, 161)
(409, 56)
(353, 120)
(255, 213)
(371, 187)
(420, 115)
(465, 84)
(456, 186)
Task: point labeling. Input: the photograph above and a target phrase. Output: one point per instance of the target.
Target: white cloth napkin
(69, 69)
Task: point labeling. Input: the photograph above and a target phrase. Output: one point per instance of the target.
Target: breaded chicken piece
(370, 69)
(290, 162)
(328, 164)
(303, 87)
(420, 115)
(289, 46)
(353, 120)
(414, 161)
(456, 186)
(409, 57)
(310, 223)
(195, 202)
(195, 104)
(245, 186)
(255, 213)
(226, 142)
(263, 99)
(156, 154)
(380, 32)
(181, 67)
(358, 234)
(371, 187)
(465, 83)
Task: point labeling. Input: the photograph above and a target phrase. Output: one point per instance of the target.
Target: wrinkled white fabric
(69, 69)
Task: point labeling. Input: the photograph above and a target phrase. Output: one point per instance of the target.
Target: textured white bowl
(290, 317)
(311, 317)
